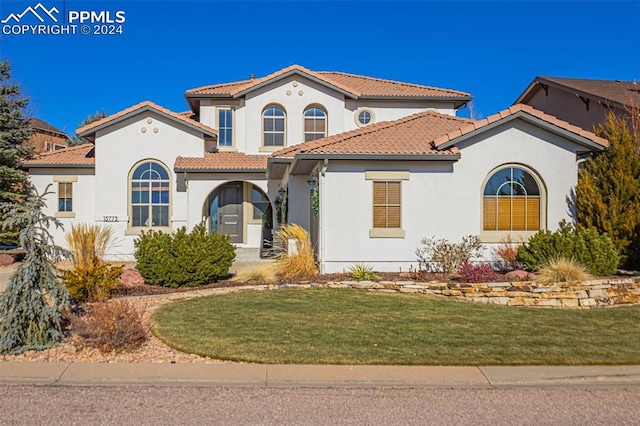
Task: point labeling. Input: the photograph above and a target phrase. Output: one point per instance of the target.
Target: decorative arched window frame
(364, 116)
(315, 123)
(518, 198)
(149, 196)
(274, 127)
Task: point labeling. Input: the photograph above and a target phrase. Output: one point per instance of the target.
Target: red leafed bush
(111, 326)
(480, 273)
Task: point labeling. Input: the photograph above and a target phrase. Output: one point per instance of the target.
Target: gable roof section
(89, 130)
(222, 162)
(39, 124)
(409, 136)
(608, 92)
(77, 156)
(351, 85)
(528, 113)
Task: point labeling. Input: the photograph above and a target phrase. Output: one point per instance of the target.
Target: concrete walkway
(260, 375)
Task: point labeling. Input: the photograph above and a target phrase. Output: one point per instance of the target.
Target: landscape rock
(520, 275)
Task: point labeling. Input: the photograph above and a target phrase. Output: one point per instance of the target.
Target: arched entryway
(241, 210)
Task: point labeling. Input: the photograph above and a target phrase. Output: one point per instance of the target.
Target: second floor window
(225, 127)
(65, 197)
(315, 124)
(273, 126)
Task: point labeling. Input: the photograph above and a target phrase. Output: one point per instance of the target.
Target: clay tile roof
(412, 135)
(377, 87)
(81, 155)
(447, 139)
(222, 161)
(85, 130)
(356, 85)
(624, 93)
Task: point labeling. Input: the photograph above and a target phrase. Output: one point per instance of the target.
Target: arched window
(150, 195)
(512, 201)
(315, 124)
(273, 119)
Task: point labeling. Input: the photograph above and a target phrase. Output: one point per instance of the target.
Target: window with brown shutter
(386, 204)
(512, 201)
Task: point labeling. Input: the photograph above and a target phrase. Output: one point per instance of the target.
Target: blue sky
(492, 50)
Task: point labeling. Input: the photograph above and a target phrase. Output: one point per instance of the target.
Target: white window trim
(231, 147)
(272, 148)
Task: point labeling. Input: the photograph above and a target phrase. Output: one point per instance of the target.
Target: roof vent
(252, 76)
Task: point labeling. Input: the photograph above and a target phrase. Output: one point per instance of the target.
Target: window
(386, 205)
(315, 124)
(260, 203)
(273, 126)
(364, 116)
(150, 195)
(65, 196)
(225, 127)
(512, 201)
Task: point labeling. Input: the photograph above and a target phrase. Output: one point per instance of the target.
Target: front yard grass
(330, 326)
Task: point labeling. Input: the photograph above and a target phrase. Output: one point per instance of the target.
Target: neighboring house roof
(38, 124)
(92, 128)
(609, 92)
(222, 162)
(352, 86)
(412, 135)
(526, 112)
(77, 156)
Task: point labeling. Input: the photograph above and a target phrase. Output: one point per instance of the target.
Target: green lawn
(357, 327)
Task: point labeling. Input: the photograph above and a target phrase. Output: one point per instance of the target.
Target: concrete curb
(327, 376)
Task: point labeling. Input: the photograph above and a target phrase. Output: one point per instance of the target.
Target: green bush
(183, 259)
(362, 272)
(596, 252)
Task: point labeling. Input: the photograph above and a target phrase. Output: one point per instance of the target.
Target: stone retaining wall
(587, 294)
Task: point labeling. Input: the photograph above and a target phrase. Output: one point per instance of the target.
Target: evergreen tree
(32, 305)
(14, 129)
(90, 119)
(608, 191)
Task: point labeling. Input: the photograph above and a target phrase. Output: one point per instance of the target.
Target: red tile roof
(81, 155)
(412, 135)
(624, 93)
(355, 85)
(222, 161)
(449, 138)
(90, 128)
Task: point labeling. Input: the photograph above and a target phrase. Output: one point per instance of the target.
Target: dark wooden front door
(230, 211)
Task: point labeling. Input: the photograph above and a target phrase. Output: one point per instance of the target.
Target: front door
(230, 211)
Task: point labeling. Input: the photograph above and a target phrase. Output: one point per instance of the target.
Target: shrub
(297, 261)
(443, 256)
(362, 272)
(88, 242)
(507, 253)
(561, 270)
(257, 275)
(481, 273)
(183, 259)
(596, 252)
(111, 326)
(91, 283)
(91, 279)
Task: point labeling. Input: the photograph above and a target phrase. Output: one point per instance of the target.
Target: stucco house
(368, 166)
(580, 101)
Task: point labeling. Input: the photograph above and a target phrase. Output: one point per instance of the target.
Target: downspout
(321, 185)
(186, 185)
